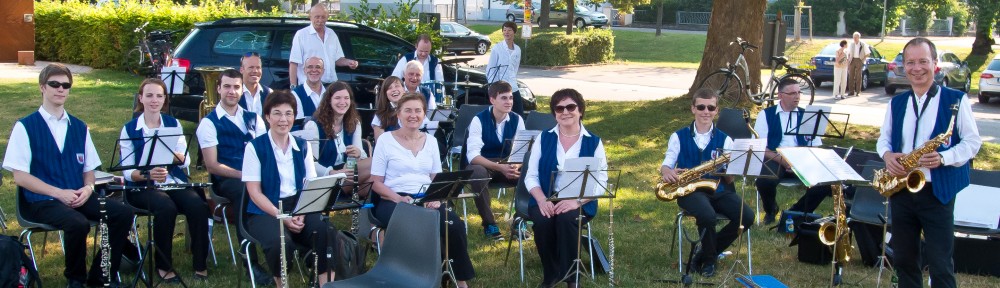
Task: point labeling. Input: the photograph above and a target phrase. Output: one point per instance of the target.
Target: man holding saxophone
(913, 118)
(687, 148)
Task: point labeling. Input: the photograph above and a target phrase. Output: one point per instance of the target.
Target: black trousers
(165, 205)
(518, 102)
(705, 207)
(768, 190)
(911, 214)
(75, 224)
(556, 241)
(458, 245)
(482, 187)
(315, 235)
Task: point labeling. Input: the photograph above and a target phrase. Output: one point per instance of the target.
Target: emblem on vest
(946, 144)
(715, 153)
(80, 158)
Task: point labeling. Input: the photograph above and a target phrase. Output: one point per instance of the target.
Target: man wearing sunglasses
(316, 40)
(689, 147)
(53, 159)
(773, 122)
(253, 92)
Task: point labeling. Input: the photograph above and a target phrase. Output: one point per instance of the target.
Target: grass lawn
(643, 225)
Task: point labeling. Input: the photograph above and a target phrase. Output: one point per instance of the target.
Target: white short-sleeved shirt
(474, 144)
(285, 162)
(18, 155)
(313, 96)
(127, 150)
(787, 120)
(311, 133)
(531, 180)
(403, 171)
(306, 44)
(700, 139)
(254, 103)
(209, 137)
(401, 68)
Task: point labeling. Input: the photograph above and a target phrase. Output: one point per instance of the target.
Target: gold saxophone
(888, 185)
(833, 231)
(690, 180)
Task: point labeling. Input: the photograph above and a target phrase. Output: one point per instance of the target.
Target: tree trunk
(986, 20)
(731, 19)
(543, 18)
(570, 16)
(659, 17)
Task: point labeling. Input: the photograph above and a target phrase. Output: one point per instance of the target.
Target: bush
(78, 32)
(401, 21)
(960, 12)
(552, 47)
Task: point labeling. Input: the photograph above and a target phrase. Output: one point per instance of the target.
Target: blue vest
(431, 61)
(947, 181)
(329, 153)
(308, 107)
(138, 141)
(690, 156)
(270, 181)
(263, 95)
(774, 130)
(232, 141)
(548, 162)
(64, 169)
(492, 146)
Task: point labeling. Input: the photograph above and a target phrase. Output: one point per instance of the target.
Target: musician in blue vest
(389, 93)
(336, 129)
(773, 122)
(411, 83)
(423, 56)
(690, 146)
(164, 204)
(52, 157)
(556, 222)
(488, 142)
(253, 91)
(912, 118)
(222, 136)
(275, 167)
(308, 95)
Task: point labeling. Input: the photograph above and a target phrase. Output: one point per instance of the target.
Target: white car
(989, 81)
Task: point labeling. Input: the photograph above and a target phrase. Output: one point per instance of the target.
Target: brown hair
(411, 96)
(423, 37)
(510, 25)
(918, 41)
(568, 93)
(499, 87)
(230, 73)
(142, 86)
(704, 93)
(279, 97)
(383, 108)
(325, 114)
(54, 69)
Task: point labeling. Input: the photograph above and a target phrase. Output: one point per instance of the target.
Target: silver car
(583, 17)
(950, 72)
(515, 12)
(989, 81)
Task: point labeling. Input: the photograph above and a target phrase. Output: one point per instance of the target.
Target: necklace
(567, 135)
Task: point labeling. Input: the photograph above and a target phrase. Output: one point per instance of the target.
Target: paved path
(14, 71)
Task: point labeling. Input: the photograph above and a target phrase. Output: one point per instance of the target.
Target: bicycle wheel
(805, 85)
(728, 85)
(133, 61)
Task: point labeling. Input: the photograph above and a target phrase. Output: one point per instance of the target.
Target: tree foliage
(396, 21)
(987, 14)
(864, 16)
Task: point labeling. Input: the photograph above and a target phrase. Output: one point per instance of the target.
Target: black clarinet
(354, 196)
(105, 245)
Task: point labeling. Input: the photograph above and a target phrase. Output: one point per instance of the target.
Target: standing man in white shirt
(432, 69)
(253, 92)
(320, 41)
(504, 62)
(857, 52)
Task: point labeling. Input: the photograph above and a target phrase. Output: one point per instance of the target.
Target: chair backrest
(465, 116)
(412, 247)
(24, 222)
(539, 121)
(732, 123)
(244, 217)
(868, 204)
(367, 115)
(521, 193)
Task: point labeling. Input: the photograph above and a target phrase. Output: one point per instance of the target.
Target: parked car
(223, 42)
(515, 12)
(950, 72)
(583, 17)
(462, 39)
(989, 81)
(873, 71)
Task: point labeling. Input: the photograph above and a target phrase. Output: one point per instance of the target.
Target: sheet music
(816, 166)
(519, 145)
(175, 84)
(975, 206)
(813, 121)
(739, 157)
(439, 114)
(316, 193)
(430, 126)
(164, 147)
(571, 178)
(102, 177)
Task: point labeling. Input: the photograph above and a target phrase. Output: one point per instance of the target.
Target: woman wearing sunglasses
(337, 126)
(556, 224)
(164, 205)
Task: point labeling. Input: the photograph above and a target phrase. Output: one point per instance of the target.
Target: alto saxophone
(888, 185)
(833, 231)
(690, 180)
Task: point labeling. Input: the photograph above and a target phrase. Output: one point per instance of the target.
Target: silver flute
(281, 229)
(105, 245)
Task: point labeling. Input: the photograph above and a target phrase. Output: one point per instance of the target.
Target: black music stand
(746, 159)
(495, 74)
(813, 124)
(323, 198)
(519, 146)
(447, 187)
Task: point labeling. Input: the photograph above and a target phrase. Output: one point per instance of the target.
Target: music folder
(574, 170)
(441, 186)
(316, 193)
(816, 166)
(519, 146)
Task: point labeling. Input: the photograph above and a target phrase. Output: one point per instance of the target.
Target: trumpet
(888, 185)
(690, 180)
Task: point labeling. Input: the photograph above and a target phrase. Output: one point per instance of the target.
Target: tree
(731, 19)
(987, 13)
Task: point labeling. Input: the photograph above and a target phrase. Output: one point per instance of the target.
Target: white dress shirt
(253, 99)
(311, 133)
(474, 144)
(285, 162)
(18, 155)
(127, 150)
(531, 180)
(853, 52)
(500, 56)
(313, 96)
(965, 126)
(700, 139)
(306, 44)
(401, 69)
(787, 120)
(403, 171)
(209, 137)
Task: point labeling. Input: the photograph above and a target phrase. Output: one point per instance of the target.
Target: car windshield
(830, 50)
(995, 65)
(582, 9)
(460, 29)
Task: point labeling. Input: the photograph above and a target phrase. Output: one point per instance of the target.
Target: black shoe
(171, 280)
(74, 284)
(199, 277)
(769, 218)
(262, 277)
(708, 270)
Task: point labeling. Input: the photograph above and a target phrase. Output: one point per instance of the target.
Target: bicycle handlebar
(744, 44)
(141, 27)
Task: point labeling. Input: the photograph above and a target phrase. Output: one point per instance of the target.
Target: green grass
(642, 225)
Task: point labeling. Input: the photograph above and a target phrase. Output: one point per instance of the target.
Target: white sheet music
(430, 126)
(816, 166)
(975, 206)
(519, 145)
(164, 147)
(175, 84)
(813, 121)
(571, 178)
(439, 114)
(739, 157)
(316, 193)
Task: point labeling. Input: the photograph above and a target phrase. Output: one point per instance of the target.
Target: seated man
(254, 92)
(308, 96)
(490, 133)
(772, 123)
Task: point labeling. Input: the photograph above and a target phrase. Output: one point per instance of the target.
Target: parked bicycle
(152, 53)
(731, 87)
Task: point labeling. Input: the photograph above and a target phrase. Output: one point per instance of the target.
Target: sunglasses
(249, 54)
(56, 84)
(701, 107)
(568, 108)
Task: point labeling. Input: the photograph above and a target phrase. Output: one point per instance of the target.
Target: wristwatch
(941, 159)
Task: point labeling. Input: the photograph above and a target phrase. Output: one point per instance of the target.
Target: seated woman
(274, 167)
(338, 127)
(556, 223)
(389, 93)
(404, 161)
(164, 204)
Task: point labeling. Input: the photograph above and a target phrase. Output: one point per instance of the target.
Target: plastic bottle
(789, 225)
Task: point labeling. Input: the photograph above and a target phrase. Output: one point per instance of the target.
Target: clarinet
(354, 197)
(281, 230)
(105, 245)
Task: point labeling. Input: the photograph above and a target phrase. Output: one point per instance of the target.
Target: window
(286, 44)
(461, 29)
(994, 65)
(445, 28)
(241, 42)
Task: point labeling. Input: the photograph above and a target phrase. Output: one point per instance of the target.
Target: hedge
(78, 32)
(552, 47)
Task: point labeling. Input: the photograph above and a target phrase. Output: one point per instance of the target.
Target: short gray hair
(414, 64)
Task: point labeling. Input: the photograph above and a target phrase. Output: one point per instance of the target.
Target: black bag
(797, 219)
(17, 269)
(811, 250)
(351, 260)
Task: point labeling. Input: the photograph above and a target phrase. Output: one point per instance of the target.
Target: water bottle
(789, 225)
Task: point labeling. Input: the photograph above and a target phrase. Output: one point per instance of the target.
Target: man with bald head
(316, 40)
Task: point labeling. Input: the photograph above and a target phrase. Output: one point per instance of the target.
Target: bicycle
(731, 87)
(152, 52)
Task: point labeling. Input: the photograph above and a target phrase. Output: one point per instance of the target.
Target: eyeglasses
(56, 84)
(279, 114)
(792, 93)
(568, 108)
(702, 107)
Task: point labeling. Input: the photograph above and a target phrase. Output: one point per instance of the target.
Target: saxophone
(888, 185)
(690, 180)
(833, 231)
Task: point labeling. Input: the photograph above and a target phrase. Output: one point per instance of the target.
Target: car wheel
(510, 17)
(481, 47)
(890, 90)
(579, 23)
(968, 85)
(984, 99)
(864, 81)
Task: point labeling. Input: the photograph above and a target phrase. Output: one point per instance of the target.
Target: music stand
(495, 74)
(519, 146)
(315, 197)
(814, 122)
(447, 186)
